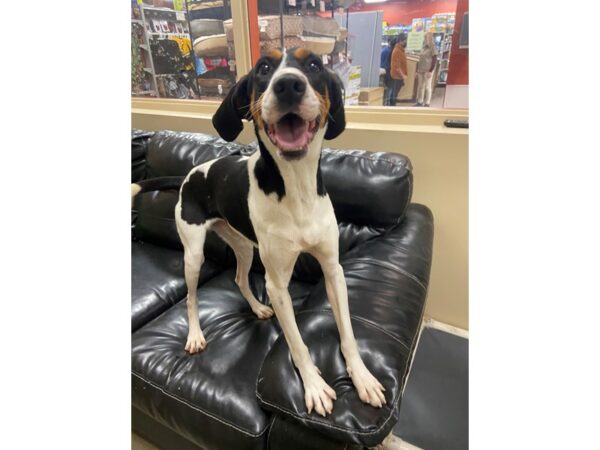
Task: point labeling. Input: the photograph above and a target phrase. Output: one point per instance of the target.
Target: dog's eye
(314, 67)
(264, 69)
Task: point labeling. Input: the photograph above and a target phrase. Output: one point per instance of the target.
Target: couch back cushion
(367, 188)
(139, 148)
(369, 191)
(173, 153)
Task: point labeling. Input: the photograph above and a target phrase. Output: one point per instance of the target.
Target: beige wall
(440, 160)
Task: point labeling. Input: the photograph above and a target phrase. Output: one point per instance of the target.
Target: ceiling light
(374, 1)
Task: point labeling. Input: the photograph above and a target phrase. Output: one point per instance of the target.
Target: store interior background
(208, 70)
(453, 91)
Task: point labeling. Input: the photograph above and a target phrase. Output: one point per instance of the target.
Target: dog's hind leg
(192, 238)
(243, 250)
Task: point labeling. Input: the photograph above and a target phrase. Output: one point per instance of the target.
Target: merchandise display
(196, 38)
(141, 79)
(318, 45)
(215, 64)
(211, 46)
(206, 27)
(162, 59)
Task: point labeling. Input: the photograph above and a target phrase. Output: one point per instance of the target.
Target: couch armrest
(387, 279)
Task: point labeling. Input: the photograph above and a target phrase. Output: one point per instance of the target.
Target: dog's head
(292, 100)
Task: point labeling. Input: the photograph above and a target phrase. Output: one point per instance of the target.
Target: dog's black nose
(289, 89)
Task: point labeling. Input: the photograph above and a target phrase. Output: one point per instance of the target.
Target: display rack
(143, 81)
(215, 66)
(444, 59)
(164, 49)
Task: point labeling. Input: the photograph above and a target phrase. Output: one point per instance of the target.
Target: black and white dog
(274, 200)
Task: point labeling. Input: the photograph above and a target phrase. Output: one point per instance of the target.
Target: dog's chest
(299, 225)
(297, 220)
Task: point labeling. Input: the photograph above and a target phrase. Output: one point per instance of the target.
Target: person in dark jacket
(386, 55)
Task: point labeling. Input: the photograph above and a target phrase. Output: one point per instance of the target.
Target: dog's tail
(155, 184)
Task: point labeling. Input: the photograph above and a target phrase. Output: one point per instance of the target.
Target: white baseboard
(432, 323)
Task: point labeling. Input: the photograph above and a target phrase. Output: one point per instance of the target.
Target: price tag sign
(325, 59)
(180, 16)
(262, 23)
(220, 89)
(292, 2)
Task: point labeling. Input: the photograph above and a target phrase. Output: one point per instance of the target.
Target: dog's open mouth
(292, 134)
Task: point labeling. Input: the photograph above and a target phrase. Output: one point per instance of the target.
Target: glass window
(387, 52)
(180, 49)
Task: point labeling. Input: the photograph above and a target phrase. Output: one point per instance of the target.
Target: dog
(274, 200)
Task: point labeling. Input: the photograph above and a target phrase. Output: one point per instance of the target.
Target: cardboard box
(371, 96)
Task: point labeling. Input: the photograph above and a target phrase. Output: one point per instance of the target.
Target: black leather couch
(243, 391)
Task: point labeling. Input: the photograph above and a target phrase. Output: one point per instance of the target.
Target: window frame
(377, 117)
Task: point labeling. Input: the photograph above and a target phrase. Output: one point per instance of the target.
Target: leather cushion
(173, 153)
(157, 281)
(139, 147)
(210, 397)
(155, 222)
(386, 279)
(367, 188)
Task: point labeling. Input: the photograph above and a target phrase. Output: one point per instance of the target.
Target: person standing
(425, 69)
(386, 55)
(398, 69)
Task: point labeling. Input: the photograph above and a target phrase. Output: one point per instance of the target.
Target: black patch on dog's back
(222, 194)
(267, 173)
(230, 184)
(195, 204)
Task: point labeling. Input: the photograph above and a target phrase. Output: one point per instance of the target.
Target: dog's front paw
(262, 311)
(370, 390)
(195, 341)
(317, 394)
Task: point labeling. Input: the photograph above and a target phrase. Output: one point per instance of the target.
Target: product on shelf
(266, 46)
(318, 45)
(211, 46)
(216, 81)
(317, 26)
(206, 27)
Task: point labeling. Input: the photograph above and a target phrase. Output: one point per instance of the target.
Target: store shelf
(154, 8)
(182, 35)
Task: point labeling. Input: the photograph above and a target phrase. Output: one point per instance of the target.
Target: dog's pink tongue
(292, 133)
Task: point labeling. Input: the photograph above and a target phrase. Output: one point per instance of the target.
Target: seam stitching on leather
(212, 416)
(389, 266)
(363, 320)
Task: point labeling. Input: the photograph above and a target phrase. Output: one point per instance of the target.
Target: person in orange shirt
(398, 69)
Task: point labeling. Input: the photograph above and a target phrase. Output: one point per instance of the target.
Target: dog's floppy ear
(228, 118)
(337, 118)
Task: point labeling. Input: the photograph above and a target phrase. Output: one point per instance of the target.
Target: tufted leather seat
(243, 391)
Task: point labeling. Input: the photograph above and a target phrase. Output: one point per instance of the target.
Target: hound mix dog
(275, 200)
